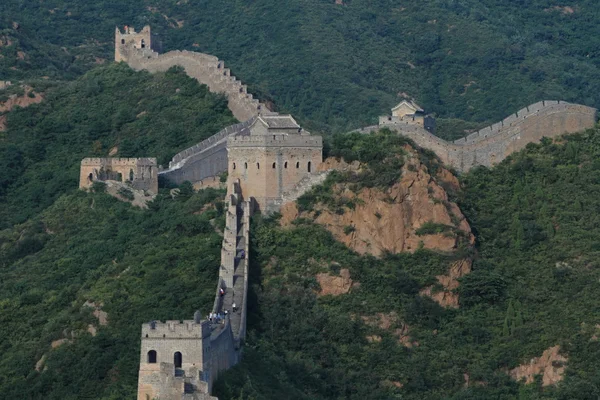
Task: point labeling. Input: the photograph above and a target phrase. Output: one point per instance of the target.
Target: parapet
(144, 161)
(187, 329)
(275, 141)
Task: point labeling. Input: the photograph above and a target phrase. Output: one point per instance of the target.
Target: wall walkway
(492, 144)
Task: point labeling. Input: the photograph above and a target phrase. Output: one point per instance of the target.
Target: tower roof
(410, 104)
(279, 121)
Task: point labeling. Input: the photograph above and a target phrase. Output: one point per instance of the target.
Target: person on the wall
(234, 307)
(221, 292)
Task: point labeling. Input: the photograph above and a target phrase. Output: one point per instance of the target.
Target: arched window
(177, 359)
(246, 165)
(309, 166)
(233, 165)
(298, 164)
(257, 166)
(91, 177)
(122, 41)
(152, 357)
(131, 176)
(120, 177)
(285, 165)
(143, 44)
(274, 165)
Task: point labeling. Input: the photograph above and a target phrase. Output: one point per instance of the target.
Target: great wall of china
(181, 359)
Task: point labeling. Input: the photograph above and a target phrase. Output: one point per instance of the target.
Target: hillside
(110, 110)
(338, 66)
(531, 288)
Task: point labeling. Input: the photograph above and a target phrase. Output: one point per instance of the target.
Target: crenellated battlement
(175, 329)
(275, 141)
(144, 161)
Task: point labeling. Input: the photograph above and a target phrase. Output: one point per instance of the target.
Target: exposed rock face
(21, 101)
(446, 297)
(388, 219)
(550, 365)
(387, 322)
(14, 100)
(335, 285)
(102, 316)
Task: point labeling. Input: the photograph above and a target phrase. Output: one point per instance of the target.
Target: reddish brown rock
(335, 285)
(388, 219)
(550, 365)
(447, 297)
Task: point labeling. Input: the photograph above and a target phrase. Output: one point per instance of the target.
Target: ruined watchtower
(272, 157)
(130, 39)
(140, 173)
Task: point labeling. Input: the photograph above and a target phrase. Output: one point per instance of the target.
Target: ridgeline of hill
(112, 110)
(338, 66)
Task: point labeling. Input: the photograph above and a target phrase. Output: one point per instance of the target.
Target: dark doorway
(177, 360)
(152, 357)
(91, 177)
(143, 44)
(131, 176)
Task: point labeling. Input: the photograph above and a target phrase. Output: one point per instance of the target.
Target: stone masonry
(494, 143)
(271, 160)
(140, 173)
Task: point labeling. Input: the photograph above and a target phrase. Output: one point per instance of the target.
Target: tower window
(233, 165)
(298, 164)
(177, 359)
(285, 165)
(257, 166)
(152, 357)
(122, 41)
(309, 166)
(143, 44)
(246, 165)
(274, 165)
(131, 176)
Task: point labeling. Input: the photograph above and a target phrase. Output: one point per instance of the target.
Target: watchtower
(174, 354)
(140, 173)
(130, 39)
(272, 157)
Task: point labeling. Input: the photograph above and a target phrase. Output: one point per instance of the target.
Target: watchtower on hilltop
(272, 157)
(408, 113)
(140, 173)
(131, 39)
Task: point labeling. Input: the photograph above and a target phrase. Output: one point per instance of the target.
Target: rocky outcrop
(335, 285)
(389, 322)
(449, 282)
(18, 101)
(21, 101)
(551, 365)
(390, 219)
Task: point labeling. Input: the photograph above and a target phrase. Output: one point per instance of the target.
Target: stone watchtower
(131, 39)
(271, 158)
(174, 359)
(139, 173)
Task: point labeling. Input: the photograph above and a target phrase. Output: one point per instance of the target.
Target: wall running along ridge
(206, 347)
(492, 144)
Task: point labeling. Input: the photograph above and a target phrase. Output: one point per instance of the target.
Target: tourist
(221, 292)
(234, 307)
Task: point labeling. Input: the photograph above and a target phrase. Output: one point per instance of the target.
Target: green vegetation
(113, 107)
(140, 265)
(431, 228)
(533, 286)
(340, 66)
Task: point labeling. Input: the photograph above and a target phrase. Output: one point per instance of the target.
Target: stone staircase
(303, 186)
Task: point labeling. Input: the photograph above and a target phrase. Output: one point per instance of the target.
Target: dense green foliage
(142, 115)
(533, 286)
(340, 66)
(140, 265)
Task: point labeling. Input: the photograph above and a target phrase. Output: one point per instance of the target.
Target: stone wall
(493, 144)
(207, 69)
(140, 173)
(269, 166)
(205, 159)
